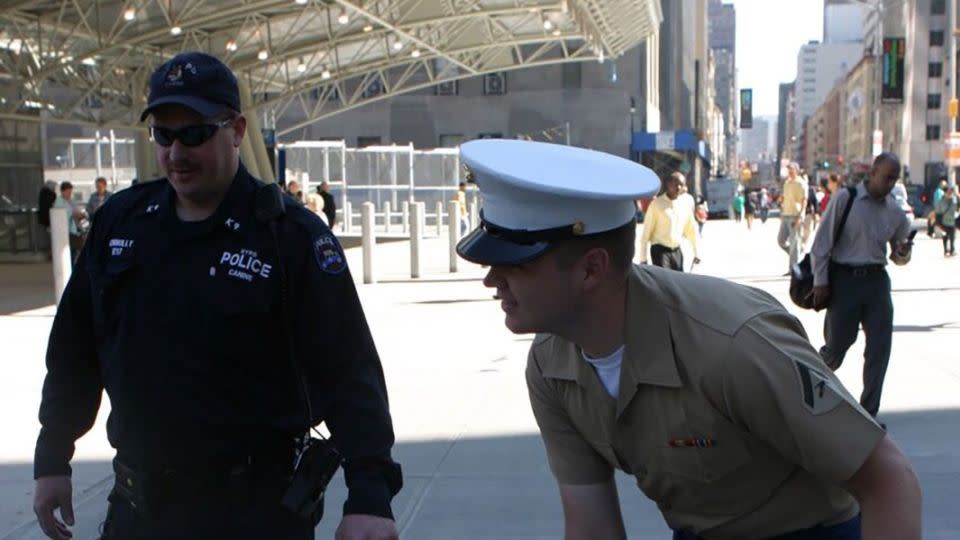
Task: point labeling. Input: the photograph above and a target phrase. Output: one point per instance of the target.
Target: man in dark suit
(329, 204)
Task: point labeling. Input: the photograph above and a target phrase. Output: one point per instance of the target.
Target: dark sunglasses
(188, 136)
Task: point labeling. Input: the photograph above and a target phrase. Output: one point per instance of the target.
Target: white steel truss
(88, 61)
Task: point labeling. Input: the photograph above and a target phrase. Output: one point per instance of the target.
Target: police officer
(707, 392)
(202, 309)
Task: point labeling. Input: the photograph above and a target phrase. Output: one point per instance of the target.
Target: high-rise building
(755, 143)
(784, 133)
(843, 20)
(680, 144)
(820, 66)
(723, 42)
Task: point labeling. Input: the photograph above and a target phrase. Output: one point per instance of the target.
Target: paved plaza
(474, 466)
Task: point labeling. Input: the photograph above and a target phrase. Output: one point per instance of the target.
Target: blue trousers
(848, 530)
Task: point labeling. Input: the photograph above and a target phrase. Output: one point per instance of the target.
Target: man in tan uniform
(707, 392)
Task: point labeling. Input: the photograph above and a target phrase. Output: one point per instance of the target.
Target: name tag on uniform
(119, 245)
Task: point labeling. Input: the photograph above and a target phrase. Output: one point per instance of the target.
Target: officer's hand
(54, 492)
(366, 527)
(696, 260)
(821, 296)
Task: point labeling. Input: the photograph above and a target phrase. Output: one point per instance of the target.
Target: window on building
(933, 101)
(490, 135)
(933, 133)
(571, 75)
(373, 88)
(448, 88)
(935, 70)
(370, 140)
(450, 140)
(938, 7)
(936, 38)
(495, 84)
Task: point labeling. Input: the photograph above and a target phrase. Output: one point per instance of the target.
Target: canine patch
(329, 255)
(819, 393)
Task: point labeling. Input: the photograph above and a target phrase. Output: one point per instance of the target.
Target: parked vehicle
(720, 193)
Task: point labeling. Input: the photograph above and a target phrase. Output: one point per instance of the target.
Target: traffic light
(826, 164)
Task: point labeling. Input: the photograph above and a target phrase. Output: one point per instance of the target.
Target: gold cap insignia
(578, 228)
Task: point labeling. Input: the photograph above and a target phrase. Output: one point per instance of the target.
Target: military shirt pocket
(698, 476)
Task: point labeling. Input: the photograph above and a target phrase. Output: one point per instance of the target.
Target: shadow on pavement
(500, 487)
(924, 327)
(25, 286)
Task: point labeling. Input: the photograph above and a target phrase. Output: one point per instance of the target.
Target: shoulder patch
(329, 254)
(818, 391)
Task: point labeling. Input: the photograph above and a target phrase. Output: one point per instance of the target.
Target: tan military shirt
(726, 416)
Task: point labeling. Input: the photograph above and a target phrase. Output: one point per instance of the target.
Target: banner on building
(746, 108)
(893, 66)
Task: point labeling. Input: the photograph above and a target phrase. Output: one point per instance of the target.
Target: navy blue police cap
(534, 195)
(195, 80)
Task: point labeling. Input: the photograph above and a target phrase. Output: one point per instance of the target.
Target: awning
(682, 141)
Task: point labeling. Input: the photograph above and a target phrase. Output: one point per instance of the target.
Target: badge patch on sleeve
(819, 392)
(329, 255)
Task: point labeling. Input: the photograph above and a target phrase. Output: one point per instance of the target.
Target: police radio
(317, 460)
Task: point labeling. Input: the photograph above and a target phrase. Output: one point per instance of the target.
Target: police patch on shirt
(329, 255)
(819, 392)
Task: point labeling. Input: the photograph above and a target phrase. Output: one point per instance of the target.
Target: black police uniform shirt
(181, 324)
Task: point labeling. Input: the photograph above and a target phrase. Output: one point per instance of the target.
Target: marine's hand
(821, 296)
(54, 492)
(366, 527)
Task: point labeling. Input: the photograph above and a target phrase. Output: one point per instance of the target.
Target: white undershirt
(608, 369)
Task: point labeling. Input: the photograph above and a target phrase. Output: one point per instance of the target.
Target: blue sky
(769, 35)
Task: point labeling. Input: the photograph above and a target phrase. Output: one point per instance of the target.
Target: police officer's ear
(595, 266)
(239, 129)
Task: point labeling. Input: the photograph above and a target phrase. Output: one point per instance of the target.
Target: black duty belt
(241, 481)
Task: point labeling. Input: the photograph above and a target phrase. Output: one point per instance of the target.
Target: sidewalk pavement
(474, 465)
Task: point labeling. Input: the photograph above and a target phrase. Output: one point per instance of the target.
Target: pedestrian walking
(738, 203)
(933, 219)
(792, 205)
(750, 205)
(668, 220)
(74, 219)
(764, 199)
(850, 277)
(706, 391)
(98, 197)
(947, 209)
(461, 199)
(196, 306)
(809, 214)
(45, 201)
(329, 203)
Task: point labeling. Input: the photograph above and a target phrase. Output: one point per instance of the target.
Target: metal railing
(21, 234)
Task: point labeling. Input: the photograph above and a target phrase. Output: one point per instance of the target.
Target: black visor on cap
(481, 247)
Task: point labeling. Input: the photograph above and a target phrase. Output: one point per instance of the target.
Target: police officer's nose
(492, 279)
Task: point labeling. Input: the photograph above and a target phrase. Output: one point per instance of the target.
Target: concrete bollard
(387, 216)
(439, 218)
(474, 211)
(415, 235)
(347, 217)
(453, 229)
(60, 249)
(368, 239)
(405, 216)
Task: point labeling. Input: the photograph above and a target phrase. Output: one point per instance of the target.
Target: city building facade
(723, 42)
